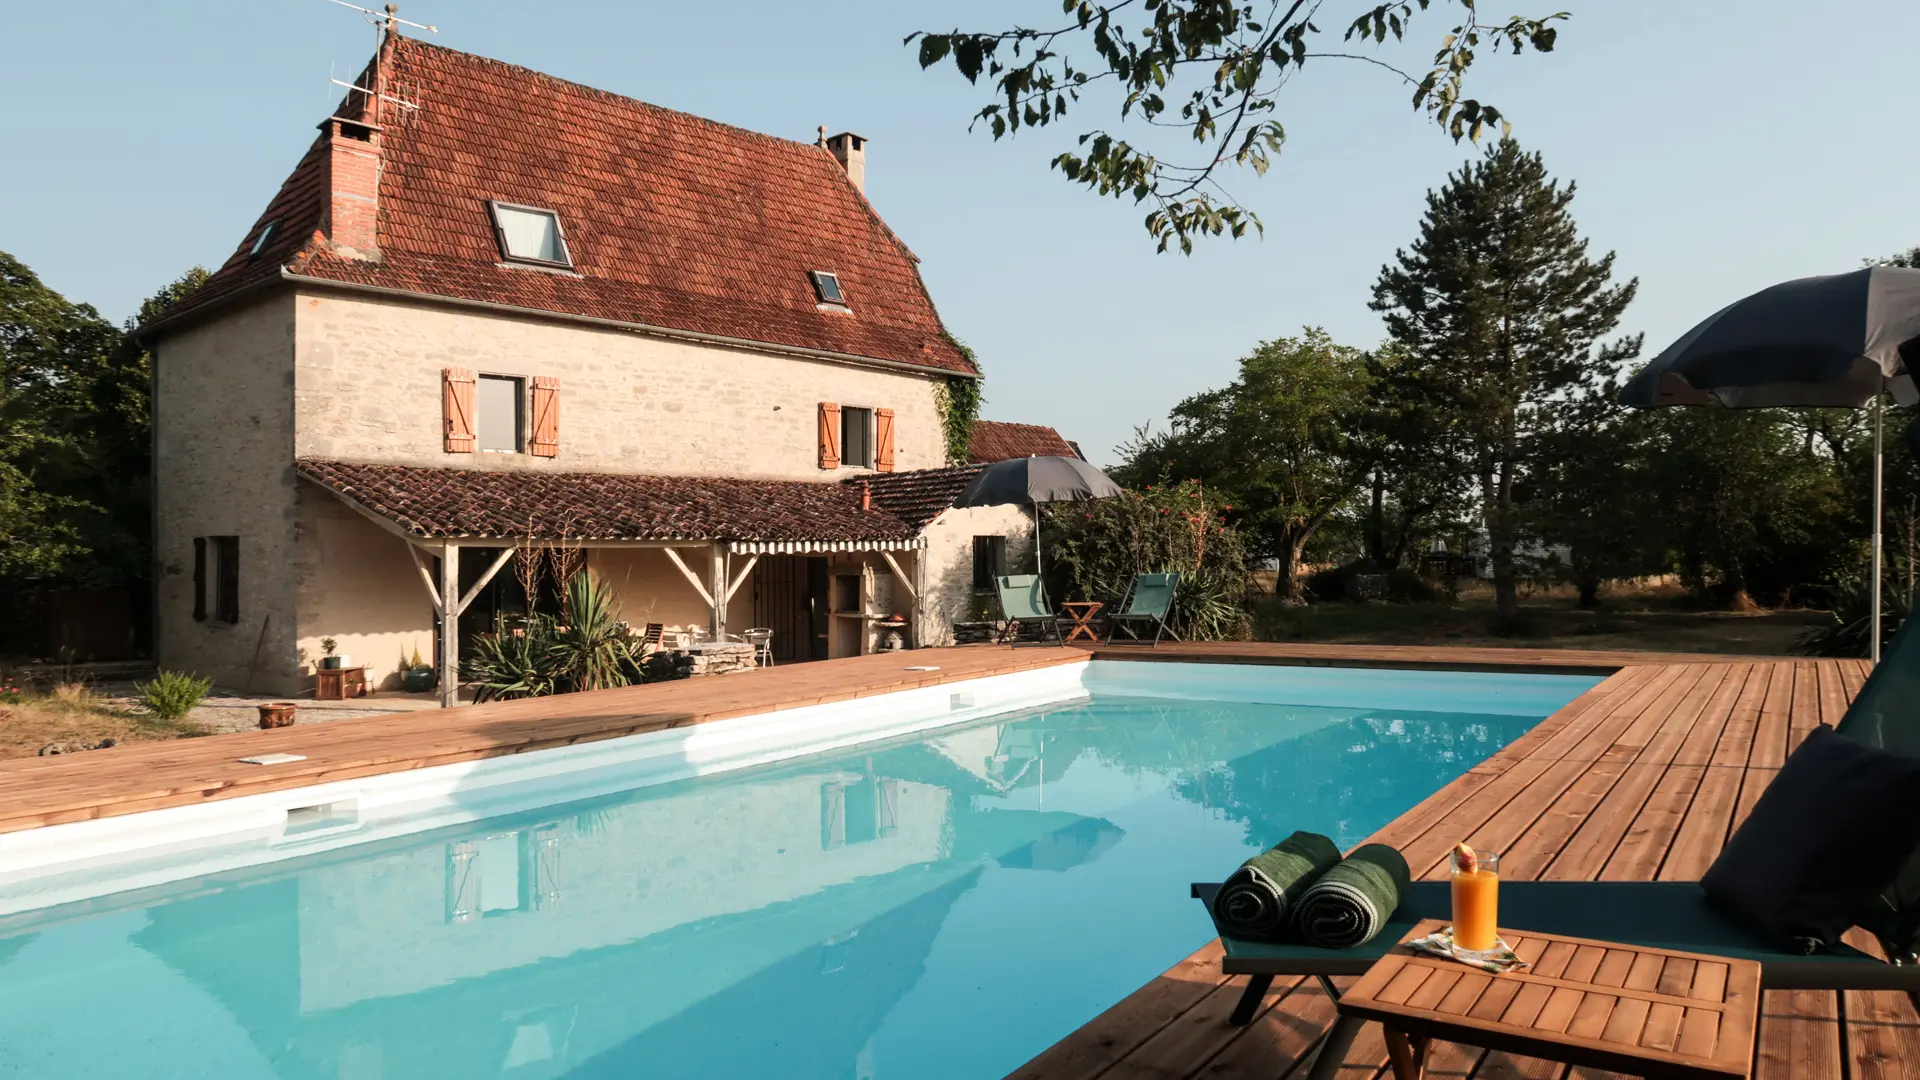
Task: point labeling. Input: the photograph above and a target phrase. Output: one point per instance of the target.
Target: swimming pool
(944, 903)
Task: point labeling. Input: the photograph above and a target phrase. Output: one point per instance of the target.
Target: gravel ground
(226, 710)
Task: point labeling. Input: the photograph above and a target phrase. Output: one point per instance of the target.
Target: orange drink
(1476, 898)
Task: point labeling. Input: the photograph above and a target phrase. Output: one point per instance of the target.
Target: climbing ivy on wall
(959, 402)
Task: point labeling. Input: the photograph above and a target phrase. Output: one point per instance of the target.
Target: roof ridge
(522, 70)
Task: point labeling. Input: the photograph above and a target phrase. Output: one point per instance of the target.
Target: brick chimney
(851, 151)
(353, 183)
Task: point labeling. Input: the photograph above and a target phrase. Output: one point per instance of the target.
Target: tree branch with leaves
(1213, 70)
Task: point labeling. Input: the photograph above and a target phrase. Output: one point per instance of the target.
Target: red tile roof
(919, 496)
(672, 220)
(993, 441)
(485, 503)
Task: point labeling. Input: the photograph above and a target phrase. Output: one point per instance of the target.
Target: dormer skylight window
(266, 236)
(530, 234)
(827, 287)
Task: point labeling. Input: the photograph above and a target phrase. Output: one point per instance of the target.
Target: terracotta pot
(276, 714)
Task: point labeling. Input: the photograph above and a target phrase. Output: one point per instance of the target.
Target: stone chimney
(851, 151)
(353, 183)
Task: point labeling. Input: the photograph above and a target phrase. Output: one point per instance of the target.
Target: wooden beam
(449, 626)
(426, 576)
(717, 573)
(467, 600)
(901, 576)
(693, 579)
(741, 578)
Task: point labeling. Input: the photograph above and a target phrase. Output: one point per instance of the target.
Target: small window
(266, 236)
(989, 561)
(216, 578)
(530, 234)
(856, 437)
(827, 287)
(498, 405)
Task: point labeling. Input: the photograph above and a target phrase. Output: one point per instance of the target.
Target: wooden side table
(1082, 613)
(339, 684)
(1642, 1011)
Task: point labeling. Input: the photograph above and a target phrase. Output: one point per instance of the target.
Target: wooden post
(717, 590)
(449, 608)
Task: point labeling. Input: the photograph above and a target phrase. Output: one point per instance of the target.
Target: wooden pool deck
(1642, 778)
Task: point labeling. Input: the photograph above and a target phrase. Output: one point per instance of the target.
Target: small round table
(1082, 613)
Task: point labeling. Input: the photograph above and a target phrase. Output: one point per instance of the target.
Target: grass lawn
(73, 713)
(1649, 620)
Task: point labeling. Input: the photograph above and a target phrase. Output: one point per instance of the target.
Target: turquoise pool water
(941, 906)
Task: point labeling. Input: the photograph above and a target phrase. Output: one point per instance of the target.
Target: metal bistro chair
(761, 638)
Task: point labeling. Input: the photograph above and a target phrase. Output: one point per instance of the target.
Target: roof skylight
(266, 235)
(827, 287)
(530, 234)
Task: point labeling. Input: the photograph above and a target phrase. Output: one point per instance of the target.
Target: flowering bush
(1094, 549)
(11, 692)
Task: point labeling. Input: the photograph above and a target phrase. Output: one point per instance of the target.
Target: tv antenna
(384, 23)
(384, 19)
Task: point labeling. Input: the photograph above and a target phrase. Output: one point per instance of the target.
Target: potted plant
(419, 676)
(330, 661)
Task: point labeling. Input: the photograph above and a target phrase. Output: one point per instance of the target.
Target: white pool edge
(60, 864)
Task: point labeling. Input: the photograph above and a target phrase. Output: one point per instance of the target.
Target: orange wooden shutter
(829, 435)
(883, 438)
(546, 416)
(457, 398)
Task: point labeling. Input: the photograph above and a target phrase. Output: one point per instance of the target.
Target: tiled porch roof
(432, 503)
(919, 496)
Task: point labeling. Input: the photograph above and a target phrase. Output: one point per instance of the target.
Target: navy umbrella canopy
(1029, 481)
(1837, 340)
(1844, 340)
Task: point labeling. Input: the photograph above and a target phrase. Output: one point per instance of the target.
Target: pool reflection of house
(788, 912)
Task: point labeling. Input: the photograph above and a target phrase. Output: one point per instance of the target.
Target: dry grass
(1645, 617)
(72, 713)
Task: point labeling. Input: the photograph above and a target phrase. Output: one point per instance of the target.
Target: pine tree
(1499, 311)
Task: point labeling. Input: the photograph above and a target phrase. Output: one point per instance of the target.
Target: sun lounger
(1023, 600)
(1659, 914)
(1150, 601)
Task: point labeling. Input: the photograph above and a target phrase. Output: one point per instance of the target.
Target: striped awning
(817, 547)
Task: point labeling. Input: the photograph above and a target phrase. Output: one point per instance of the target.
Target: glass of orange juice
(1476, 899)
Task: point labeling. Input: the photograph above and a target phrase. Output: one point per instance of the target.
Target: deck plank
(1645, 776)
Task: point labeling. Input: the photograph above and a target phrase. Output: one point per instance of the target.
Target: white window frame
(565, 262)
(519, 413)
(873, 452)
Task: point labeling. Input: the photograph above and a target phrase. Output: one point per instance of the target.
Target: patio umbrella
(1030, 481)
(1836, 340)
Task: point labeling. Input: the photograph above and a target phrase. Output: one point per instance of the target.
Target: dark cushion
(1824, 840)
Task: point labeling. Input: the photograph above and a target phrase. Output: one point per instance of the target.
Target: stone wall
(949, 563)
(223, 439)
(368, 382)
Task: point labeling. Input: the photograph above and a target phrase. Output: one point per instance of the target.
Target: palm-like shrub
(589, 651)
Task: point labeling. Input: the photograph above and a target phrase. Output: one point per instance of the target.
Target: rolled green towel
(1253, 904)
(1352, 901)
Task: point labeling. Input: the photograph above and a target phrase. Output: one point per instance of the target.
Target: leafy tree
(1737, 489)
(1500, 311)
(1212, 70)
(1413, 482)
(1595, 475)
(1277, 444)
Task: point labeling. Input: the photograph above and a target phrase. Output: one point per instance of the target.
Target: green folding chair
(1150, 600)
(1023, 600)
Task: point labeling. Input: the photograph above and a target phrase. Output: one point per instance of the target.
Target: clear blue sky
(1719, 145)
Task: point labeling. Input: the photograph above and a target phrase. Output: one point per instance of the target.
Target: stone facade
(368, 383)
(949, 564)
(223, 455)
(323, 374)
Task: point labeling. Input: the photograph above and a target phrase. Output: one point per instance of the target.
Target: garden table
(1082, 613)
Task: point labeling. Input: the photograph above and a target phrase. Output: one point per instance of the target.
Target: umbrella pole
(1878, 466)
(1040, 571)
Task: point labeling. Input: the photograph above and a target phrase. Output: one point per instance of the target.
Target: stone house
(493, 312)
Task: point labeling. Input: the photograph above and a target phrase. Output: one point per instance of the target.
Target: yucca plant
(512, 662)
(595, 650)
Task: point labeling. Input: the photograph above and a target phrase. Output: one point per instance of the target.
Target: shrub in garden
(173, 694)
(1094, 549)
